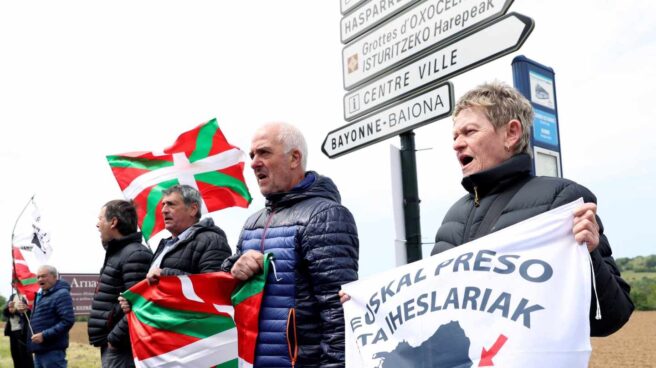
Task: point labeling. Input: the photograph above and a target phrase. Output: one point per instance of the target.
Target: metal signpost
(395, 65)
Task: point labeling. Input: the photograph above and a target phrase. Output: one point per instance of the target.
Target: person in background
(126, 262)
(195, 246)
(17, 329)
(52, 319)
(314, 242)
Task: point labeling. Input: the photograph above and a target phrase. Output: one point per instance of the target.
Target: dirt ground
(632, 346)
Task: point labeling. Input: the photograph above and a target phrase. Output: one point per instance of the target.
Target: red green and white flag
(204, 320)
(30, 249)
(23, 279)
(201, 158)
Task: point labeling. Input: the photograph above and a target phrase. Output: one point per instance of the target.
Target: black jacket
(202, 251)
(314, 242)
(537, 195)
(126, 262)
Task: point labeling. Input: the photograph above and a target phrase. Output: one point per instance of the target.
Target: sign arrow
(498, 38)
(427, 105)
(487, 355)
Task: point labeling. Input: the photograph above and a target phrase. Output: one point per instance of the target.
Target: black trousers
(18, 346)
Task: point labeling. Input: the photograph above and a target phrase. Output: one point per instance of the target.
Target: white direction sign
(499, 38)
(411, 113)
(369, 15)
(347, 5)
(414, 30)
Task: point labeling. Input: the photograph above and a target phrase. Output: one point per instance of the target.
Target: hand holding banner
(519, 297)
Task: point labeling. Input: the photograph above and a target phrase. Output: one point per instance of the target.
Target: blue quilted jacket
(314, 242)
(53, 316)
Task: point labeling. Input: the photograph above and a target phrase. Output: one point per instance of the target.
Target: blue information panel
(537, 83)
(545, 128)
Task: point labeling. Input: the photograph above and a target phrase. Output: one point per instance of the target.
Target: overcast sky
(80, 80)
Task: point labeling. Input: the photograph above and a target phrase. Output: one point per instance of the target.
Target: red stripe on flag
(23, 272)
(141, 204)
(217, 198)
(236, 171)
(219, 143)
(148, 341)
(168, 292)
(125, 175)
(247, 315)
(186, 142)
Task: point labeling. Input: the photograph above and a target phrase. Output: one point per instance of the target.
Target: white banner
(32, 237)
(519, 297)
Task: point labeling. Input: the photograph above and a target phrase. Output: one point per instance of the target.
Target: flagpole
(18, 218)
(13, 261)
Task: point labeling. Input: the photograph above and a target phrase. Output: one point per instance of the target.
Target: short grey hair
(189, 194)
(51, 270)
(501, 103)
(292, 138)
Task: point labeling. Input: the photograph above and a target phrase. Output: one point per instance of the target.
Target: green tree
(623, 264)
(650, 263)
(3, 301)
(643, 293)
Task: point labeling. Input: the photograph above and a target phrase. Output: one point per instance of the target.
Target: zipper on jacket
(292, 346)
(266, 227)
(477, 201)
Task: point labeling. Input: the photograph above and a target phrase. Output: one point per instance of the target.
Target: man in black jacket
(314, 242)
(195, 246)
(126, 262)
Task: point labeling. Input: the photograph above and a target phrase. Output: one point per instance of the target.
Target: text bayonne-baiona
(473, 298)
(396, 117)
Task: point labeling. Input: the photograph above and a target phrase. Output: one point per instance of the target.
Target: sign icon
(352, 63)
(354, 104)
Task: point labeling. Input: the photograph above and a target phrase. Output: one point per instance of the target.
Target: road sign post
(410, 197)
(395, 65)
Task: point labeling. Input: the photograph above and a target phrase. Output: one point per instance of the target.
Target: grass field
(79, 355)
(631, 276)
(632, 346)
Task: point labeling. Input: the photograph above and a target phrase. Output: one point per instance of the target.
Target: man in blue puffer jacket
(314, 241)
(52, 318)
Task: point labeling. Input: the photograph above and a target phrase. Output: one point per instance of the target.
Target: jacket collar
(499, 177)
(313, 185)
(116, 244)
